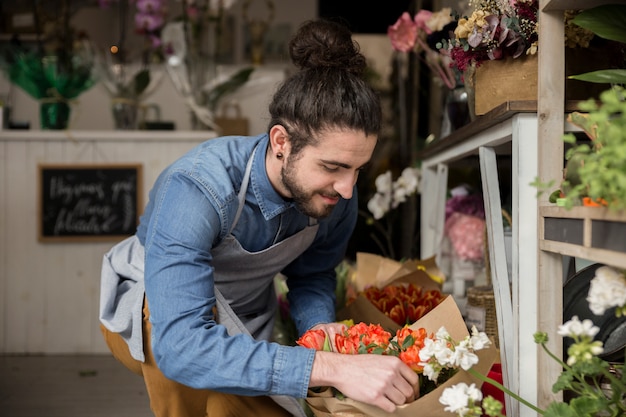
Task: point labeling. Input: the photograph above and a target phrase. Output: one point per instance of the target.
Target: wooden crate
(509, 79)
(500, 81)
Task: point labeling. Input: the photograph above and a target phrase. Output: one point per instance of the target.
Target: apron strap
(241, 197)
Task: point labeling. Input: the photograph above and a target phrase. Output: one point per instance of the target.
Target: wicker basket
(481, 309)
(481, 303)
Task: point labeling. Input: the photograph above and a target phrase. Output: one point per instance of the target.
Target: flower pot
(54, 115)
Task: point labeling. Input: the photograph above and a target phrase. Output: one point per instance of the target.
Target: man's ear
(279, 140)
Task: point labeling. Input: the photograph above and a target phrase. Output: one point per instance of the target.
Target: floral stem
(553, 356)
(502, 388)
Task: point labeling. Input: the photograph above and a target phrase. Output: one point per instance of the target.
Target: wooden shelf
(500, 113)
(575, 4)
(591, 233)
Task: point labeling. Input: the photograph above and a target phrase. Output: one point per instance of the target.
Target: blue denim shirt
(191, 209)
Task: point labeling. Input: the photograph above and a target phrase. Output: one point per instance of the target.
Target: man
(222, 221)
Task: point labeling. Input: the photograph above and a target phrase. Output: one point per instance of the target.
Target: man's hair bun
(326, 44)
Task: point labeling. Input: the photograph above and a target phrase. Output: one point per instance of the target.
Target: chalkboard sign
(88, 202)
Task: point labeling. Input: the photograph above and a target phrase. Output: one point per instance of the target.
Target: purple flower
(148, 22)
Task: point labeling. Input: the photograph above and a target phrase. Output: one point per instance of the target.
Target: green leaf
(558, 409)
(327, 347)
(610, 76)
(408, 342)
(229, 86)
(586, 406)
(605, 21)
(141, 81)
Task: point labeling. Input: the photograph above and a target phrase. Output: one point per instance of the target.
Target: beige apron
(244, 282)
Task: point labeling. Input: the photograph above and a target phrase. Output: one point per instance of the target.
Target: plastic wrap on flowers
(446, 314)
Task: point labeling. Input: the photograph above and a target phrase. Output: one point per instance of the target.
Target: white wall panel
(49, 292)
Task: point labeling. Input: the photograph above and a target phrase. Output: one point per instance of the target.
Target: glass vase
(54, 114)
(457, 107)
(125, 114)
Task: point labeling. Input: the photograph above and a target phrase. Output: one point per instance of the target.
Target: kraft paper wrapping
(447, 314)
(375, 270)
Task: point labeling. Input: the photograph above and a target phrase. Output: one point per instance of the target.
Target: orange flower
(313, 339)
(370, 336)
(404, 304)
(410, 342)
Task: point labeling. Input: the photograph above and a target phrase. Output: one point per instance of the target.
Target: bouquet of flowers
(390, 293)
(496, 29)
(442, 333)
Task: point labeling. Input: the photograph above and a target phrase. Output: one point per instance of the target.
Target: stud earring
(279, 155)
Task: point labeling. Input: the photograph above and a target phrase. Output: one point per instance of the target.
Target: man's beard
(302, 198)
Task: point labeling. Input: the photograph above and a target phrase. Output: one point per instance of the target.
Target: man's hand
(331, 329)
(383, 381)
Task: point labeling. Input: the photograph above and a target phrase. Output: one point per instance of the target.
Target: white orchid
(389, 194)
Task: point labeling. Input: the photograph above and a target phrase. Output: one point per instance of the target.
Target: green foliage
(229, 86)
(598, 170)
(141, 82)
(607, 22)
(44, 76)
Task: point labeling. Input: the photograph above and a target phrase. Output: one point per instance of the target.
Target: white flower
(442, 334)
(575, 328)
(479, 340)
(460, 397)
(410, 180)
(607, 289)
(431, 372)
(384, 183)
(379, 205)
(464, 358)
(399, 195)
(391, 194)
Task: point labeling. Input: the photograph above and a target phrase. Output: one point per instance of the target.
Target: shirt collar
(270, 202)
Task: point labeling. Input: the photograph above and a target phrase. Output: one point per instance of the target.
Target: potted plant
(595, 172)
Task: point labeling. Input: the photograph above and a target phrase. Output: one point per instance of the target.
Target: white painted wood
(520, 131)
(499, 273)
(50, 291)
(524, 259)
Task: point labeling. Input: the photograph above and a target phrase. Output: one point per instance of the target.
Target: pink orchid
(421, 20)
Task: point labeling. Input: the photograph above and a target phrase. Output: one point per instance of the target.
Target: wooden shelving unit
(587, 222)
(532, 135)
(584, 232)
